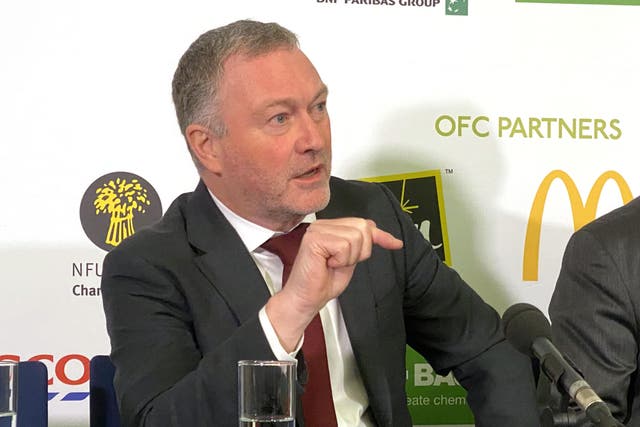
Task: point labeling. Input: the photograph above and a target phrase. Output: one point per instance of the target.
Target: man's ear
(204, 146)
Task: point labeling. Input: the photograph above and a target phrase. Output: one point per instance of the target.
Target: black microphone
(529, 331)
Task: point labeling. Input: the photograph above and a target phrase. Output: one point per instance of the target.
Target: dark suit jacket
(182, 298)
(595, 308)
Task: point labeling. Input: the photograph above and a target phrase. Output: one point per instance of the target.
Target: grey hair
(197, 78)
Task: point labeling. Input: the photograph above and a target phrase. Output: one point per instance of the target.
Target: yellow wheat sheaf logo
(121, 200)
(115, 206)
(583, 213)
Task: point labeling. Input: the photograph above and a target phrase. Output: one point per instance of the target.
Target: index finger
(385, 240)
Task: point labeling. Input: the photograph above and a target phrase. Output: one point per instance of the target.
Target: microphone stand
(556, 408)
(529, 331)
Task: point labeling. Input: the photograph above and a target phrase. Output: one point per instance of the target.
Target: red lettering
(58, 367)
(9, 357)
(62, 375)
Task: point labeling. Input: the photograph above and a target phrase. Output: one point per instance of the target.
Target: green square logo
(457, 7)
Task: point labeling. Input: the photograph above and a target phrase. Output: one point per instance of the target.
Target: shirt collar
(251, 234)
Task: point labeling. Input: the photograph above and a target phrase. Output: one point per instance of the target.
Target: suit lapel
(359, 311)
(226, 263)
(223, 258)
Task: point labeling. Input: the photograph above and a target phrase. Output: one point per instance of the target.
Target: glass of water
(266, 393)
(8, 394)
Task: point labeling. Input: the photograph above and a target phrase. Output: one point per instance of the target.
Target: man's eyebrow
(290, 102)
(324, 91)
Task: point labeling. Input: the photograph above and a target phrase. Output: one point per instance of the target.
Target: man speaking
(221, 279)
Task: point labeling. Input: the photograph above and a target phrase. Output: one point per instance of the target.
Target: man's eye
(279, 119)
(319, 110)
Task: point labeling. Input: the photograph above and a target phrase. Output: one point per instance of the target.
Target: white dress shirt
(349, 395)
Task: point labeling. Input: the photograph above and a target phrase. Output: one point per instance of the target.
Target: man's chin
(314, 202)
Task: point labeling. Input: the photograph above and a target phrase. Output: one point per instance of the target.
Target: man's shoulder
(168, 234)
(617, 231)
(359, 189)
(357, 198)
(621, 221)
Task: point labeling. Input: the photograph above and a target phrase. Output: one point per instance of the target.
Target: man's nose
(313, 134)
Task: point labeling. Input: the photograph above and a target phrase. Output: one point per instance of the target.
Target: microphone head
(522, 323)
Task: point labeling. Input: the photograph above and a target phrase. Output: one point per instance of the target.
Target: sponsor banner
(451, 7)
(522, 135)
(529, 128)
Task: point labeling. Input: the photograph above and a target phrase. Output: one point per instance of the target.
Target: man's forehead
(276, 72)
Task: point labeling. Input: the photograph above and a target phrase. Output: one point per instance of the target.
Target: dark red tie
(317, 401)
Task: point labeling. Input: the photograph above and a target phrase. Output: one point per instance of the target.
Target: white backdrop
(85, 91)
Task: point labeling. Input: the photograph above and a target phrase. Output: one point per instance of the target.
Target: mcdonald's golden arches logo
(583, 213)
